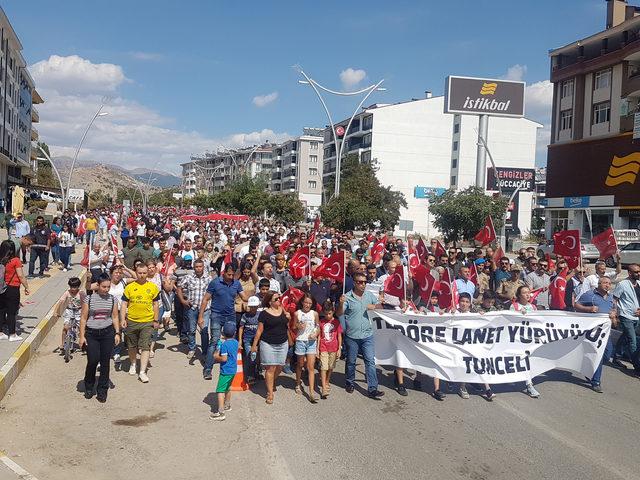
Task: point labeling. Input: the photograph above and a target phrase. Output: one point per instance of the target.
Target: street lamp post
(339, 143)
(55, 169)
(99, 113)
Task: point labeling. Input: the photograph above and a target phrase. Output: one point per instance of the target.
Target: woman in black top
(272, 335)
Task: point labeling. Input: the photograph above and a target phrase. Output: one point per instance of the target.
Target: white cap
(253, 301)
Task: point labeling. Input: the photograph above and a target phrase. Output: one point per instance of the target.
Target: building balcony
(35, 115)
(276, 176)
(29, 172)
(36, 98)
(34, 133)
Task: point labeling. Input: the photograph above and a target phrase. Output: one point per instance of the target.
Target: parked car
(589, 251)
(630, 253)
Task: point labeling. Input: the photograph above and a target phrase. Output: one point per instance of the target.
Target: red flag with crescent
(557, 290)
(439, 250)
(606, 243)
(567, 243)
(414, 258)
(425, 281)
(284, 246)
(316, 223)
(332, 267)
(312, 238)
(473, 274)
(290, 299)
(114, 245)
(487, 234)
(448, 292)
(299, 263)
(169, 260)
(394, 284)
(421, 250)
(378, 249)
(498, 254)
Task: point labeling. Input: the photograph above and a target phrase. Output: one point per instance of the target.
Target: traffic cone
(238, 384)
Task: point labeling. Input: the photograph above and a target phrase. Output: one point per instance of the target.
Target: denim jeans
(65, 256)
(191, 317)
(55, 252)
(215, 329)
(42, 255)
(628, 339)
(367, 347)
(249, 366)
(608, 353)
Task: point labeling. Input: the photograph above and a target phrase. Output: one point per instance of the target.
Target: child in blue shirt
(227, 356)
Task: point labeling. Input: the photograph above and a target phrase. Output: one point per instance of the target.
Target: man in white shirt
(591, 282)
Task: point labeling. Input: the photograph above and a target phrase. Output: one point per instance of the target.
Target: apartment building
(298, 166)
(594, 155)
(416, 148)
(18, 164)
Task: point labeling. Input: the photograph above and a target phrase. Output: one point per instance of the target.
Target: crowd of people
(232, 283)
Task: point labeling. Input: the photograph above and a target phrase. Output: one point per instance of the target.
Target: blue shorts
(306, 347)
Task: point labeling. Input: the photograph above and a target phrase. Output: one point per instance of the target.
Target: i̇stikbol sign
(483, 96)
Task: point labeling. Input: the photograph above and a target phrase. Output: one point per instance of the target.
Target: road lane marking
(15, 468)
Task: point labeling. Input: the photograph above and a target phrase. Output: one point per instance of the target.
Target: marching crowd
(285, 296)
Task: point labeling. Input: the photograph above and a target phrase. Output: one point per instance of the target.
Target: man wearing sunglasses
(359, 333)
(540, 279)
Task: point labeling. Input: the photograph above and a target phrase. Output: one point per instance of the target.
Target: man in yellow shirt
(139, 314)
(91, 227)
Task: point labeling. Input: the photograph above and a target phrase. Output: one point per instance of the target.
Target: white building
(414, 144)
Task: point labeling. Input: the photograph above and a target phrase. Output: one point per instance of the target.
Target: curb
(27, 349)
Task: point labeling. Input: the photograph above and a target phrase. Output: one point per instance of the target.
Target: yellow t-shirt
(140, 300)
(91, 224)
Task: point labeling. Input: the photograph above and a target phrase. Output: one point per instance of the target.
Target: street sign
(636, 126)
(523, 179)
(340, 130)
(405, 225)
(427, 192)
(484, 96)
(76, 195)
(576, 202)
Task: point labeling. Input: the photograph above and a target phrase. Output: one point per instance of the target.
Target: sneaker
(102, 397)
(191, 354)
(217, 416)
(462, 391)
(143, 377)
(596, 388)
(88, 394)
(489, 395)
(15, 338)
(402, 391)
(3, 336)
(227, 407)
(65, 269)
(132, 370)
(207, 375)
(439, 395)
(116, 358)
(531, 391)
(375, 394)
(618, 364)
(349, 388)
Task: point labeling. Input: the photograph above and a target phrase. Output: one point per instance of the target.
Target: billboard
(484, 96)
(427, 192)
(511, 179)
(76, 195)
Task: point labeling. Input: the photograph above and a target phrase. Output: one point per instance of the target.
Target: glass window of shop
(559, 220)
(600, 221)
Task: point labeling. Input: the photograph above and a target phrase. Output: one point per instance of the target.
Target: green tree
(460, 215)
(164, 197)
(363, 202)
(287, 208)
(46, 176)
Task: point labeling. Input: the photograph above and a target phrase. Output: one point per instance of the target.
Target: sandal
(298, 390)
(269, 399)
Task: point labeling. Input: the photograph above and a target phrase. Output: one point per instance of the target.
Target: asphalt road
(162, 429)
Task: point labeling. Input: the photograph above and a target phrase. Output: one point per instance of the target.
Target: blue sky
(183, 76)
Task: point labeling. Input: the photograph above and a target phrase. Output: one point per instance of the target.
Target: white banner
(498, 347)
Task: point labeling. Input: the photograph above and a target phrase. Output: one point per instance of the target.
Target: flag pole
(452, 282)
(344, 271)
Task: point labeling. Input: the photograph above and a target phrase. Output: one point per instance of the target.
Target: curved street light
(339, 143)
(99, 113)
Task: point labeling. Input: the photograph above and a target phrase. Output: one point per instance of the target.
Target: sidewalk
(34, 319)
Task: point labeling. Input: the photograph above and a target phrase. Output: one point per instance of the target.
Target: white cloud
(77, 75)
(350, 77)
(147, 56)
(516, 72)
(538, 98)
(132, 135)
(264, 100)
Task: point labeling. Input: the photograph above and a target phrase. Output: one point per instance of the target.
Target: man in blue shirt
(359, 333)
(222, 292)
(627, 294)
(22, 230)
(599, 300)
(463, 284)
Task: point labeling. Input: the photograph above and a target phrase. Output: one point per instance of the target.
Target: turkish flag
(394, 284)
(290, 299)
(567, 243)
(487, 234)
(473, 274)
(82, 228)
(421, 250)
(227, 259)
(557, 291)
(440, 250)
(572, 262)
(284, 246)
(448, 292)
(550, 262)
(606, 243)
(414, 258)
(534, 294)
(114, 245)
(316, 223)
(498, 254)
(312, 238)
(85, 257)
(299, 263)
(332, 267)
(425, 282)
(378, 249)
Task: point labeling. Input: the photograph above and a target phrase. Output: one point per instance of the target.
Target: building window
(313, 145)
(312, 184)
(602, 79)
(313, 172)
(313, 158)
(365, 157)
(456, 128)
(601, 112)
(566, 120)
(455, 146)
(559, 220)
(567, 89)
(367, 122)
(453, 180)
(454, 162)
